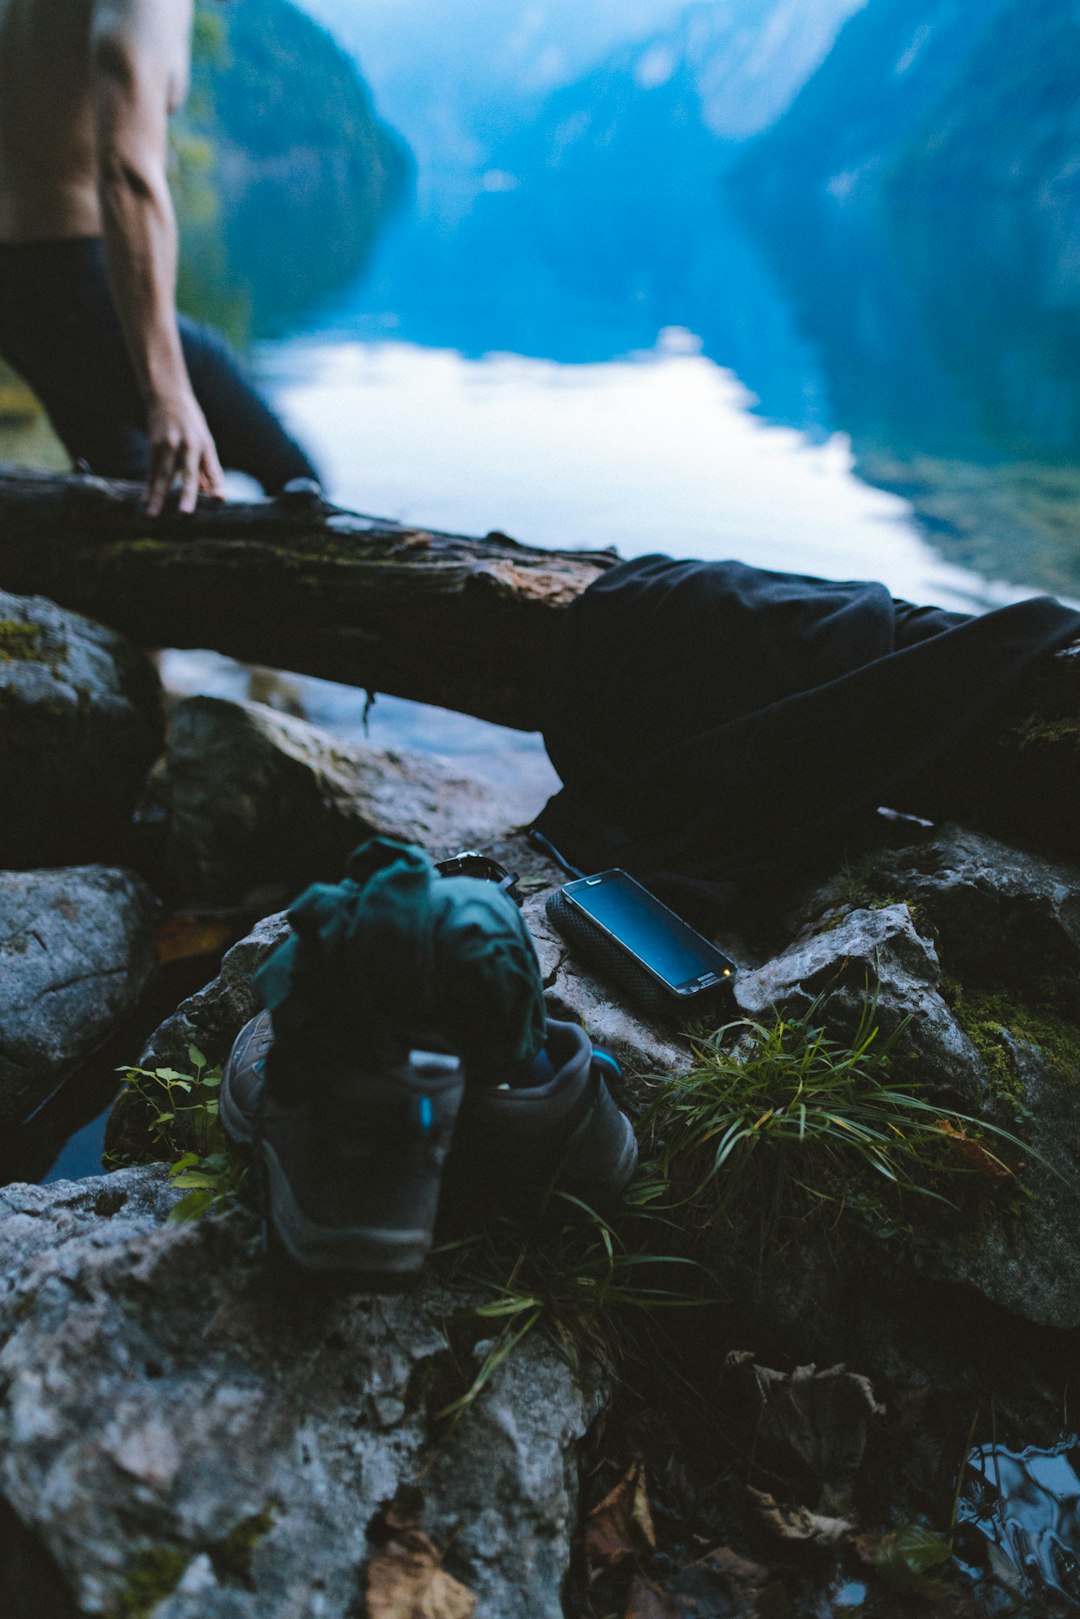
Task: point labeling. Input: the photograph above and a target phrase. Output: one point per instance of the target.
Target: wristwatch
(471, 863)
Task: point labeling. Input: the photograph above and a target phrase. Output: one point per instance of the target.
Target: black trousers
(59, 329)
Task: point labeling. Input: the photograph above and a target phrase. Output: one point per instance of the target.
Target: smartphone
(633, 937)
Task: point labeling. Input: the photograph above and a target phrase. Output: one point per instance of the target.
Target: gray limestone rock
(76, 951)
(183, 1433)
(81, 712)
(880, 953)
(998, 914)
(258, 802)
(213, 1017)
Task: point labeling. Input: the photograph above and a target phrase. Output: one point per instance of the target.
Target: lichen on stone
(1037, 729)
(19, 642)
(149, 1579)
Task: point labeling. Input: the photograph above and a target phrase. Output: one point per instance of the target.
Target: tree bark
(299, 585)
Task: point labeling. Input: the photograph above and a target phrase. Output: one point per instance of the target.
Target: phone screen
(659, 938)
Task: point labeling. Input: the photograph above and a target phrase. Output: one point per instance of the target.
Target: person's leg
(249, 437)
(59, 329)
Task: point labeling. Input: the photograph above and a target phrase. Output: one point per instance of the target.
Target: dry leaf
(740, 1570)
(621, 1525)
(407, 1581)
(903, 1556)
(975, 1153)
(798, 1524)
(821, 1416)
(647, 1601)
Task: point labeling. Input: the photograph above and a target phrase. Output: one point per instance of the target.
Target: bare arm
(139, 57)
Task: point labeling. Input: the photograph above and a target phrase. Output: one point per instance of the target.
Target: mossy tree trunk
(296, 584)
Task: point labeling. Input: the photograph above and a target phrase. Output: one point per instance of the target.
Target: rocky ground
(184, 1432)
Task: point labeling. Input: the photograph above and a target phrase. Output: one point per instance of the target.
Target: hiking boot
(350, 1157)
(517, 1144)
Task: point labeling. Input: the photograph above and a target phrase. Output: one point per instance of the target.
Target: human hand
(181, 448)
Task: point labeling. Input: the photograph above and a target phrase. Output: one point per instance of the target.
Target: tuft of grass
(580, 1279)
(184, 1126)
(779, 1123)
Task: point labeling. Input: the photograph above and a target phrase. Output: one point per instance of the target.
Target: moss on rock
(149, 1579)
(988, 1016)
(19, 642)
(1037, 730)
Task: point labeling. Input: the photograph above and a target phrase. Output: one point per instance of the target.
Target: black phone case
(614, 963)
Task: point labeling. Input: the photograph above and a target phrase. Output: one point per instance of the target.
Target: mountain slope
(895, 65)
(1011, 123)
(456, 80)
(662, 109)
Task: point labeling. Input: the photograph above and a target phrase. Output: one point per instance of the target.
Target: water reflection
(1018, 1520)
(943, 338)
(659, 451)
(948, 333)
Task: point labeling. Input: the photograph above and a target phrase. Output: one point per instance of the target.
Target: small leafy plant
(184, 1126)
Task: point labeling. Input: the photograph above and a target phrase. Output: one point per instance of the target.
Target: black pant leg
(249, 437)
(59, 329)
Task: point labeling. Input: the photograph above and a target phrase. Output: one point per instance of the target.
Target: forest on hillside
(284, 172)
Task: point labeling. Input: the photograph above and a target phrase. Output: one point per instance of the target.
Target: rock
(81, 711)
(76, 951)
(1028, 1262)
(256, 801)
(213, 1017)
(1007, 927)
(999, 915)
(182, 1433)
(874, 952)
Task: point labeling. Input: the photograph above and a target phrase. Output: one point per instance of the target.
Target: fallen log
(463, 623)
(301, 585)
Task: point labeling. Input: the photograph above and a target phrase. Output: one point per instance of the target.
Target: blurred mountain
(1011, 121)
(933, 95)
(457, 75)
(660, 107)
(285, 176)
(919, 204)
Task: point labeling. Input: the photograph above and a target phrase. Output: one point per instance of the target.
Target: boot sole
(370, 1256)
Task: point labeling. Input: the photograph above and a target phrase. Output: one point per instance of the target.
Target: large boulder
(257, 802)
(76, 951)
(1029, 1261)
(977, 945)
(81, 726)
(184, 1436)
